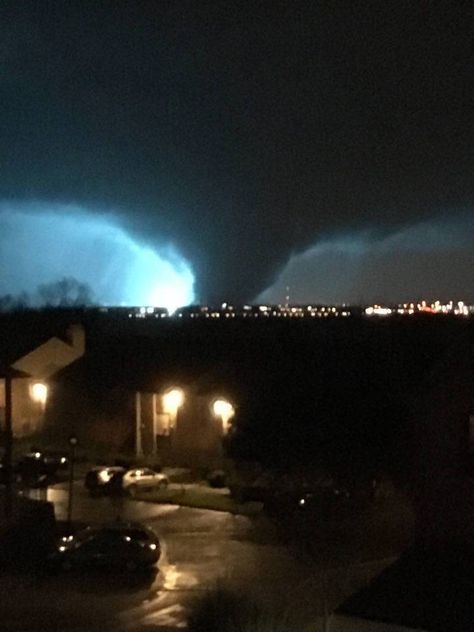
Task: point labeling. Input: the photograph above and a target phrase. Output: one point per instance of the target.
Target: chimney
(77, 338)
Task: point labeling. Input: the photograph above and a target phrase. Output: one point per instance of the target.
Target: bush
(31, 535)
(217, 478)
(224, 611)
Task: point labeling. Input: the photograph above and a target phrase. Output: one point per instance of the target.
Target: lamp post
(138, 425)
(155, 425)
(8, 443)
(72, 455)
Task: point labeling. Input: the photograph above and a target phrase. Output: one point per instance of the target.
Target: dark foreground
(202, 550)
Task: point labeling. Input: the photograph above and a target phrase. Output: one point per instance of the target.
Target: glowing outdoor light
(224, 410)
(172, 401)
(39, 393)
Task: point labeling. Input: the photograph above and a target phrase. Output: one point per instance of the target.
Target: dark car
(321, 501)
(134, 530)
(39, 468)
(120, 546)
(56, 460)
(103, 480)
(47, 462)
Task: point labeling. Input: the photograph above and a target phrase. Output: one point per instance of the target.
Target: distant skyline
(258, 142)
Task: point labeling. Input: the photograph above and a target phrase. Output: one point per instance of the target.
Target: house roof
(425, 589)
(14, 373)
(14, 345)
(22, 346)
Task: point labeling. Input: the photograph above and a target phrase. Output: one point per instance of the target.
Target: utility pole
(8, 443)
(155, 425)
(138, 425)
(72, 458)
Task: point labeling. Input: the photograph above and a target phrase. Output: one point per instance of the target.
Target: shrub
(224, 611)
(217, 478)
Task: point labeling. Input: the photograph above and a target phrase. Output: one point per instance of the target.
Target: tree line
(65, 292)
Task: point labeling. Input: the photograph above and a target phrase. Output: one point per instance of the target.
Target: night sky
(325, 145)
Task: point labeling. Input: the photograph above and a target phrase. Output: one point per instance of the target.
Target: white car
(143, 478)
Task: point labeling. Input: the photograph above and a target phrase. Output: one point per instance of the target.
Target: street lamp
(72, 445)
(172, 402)
(224, 411)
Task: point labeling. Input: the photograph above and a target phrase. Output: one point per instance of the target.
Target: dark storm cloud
(240, 132)
(428, 260)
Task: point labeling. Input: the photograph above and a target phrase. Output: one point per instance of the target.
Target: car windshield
(139, 535)
(134, 532)
(101, 535)
(147, 472)
(85, 534)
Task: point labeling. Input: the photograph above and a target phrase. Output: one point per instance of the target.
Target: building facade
(31, 374)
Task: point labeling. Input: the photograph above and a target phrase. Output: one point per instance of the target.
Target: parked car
(41, 468)
(143, 479)
(324, 499)
(321, 501)
(56, 458)
(137, 531)
(118, 546)
(104, 480)
(48, 461)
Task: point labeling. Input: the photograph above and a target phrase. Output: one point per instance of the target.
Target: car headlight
(104, 476)
(62, 549)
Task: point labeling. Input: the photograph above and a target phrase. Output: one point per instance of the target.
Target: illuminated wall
(27, 414)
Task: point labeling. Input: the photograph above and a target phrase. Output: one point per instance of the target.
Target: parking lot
(201, 549)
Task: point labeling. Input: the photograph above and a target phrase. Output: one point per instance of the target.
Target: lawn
(200, 496)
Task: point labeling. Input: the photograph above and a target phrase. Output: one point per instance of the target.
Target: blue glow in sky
(42, 243)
